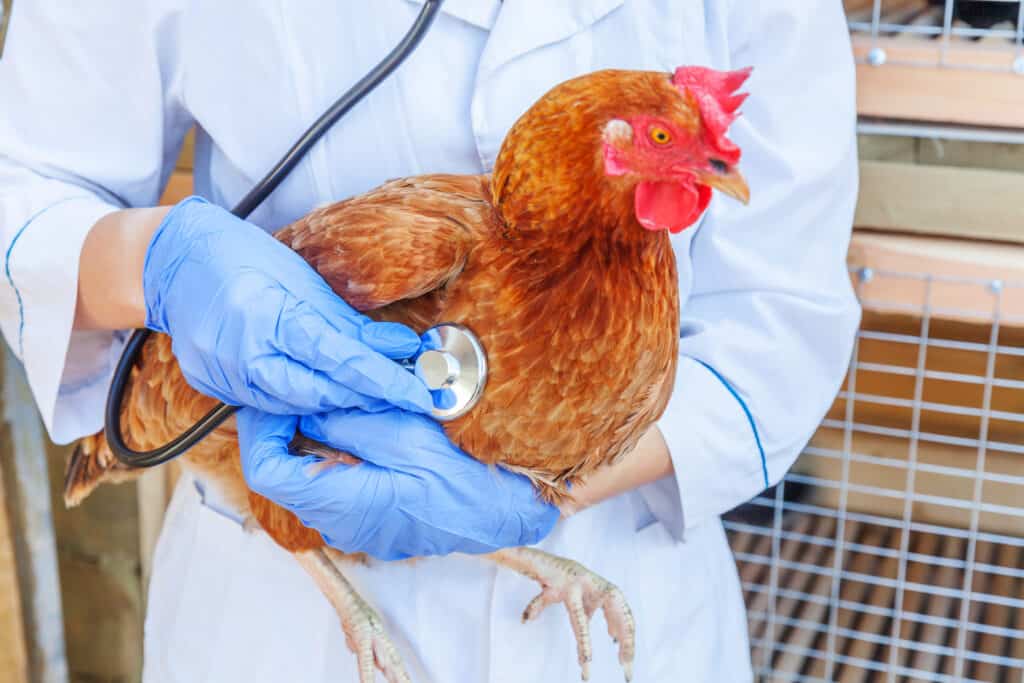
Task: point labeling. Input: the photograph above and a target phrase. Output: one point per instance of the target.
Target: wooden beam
(27, 490)
(186, 158)
(868, 474)
(178, 187)
(911, 85)
(155, 489)
(101, 591)
(13, 661)
(973, 263)
(938, 200)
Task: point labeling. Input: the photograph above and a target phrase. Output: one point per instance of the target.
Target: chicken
(559, 261)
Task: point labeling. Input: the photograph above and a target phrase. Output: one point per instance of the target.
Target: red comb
(717, 99)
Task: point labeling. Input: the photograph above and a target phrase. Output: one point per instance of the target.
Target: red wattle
(670, 206)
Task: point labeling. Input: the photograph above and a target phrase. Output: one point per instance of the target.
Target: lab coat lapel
(517, 66)
(480, 13)
(526, 25)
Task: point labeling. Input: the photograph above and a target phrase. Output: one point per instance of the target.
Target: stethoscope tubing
(255, 197)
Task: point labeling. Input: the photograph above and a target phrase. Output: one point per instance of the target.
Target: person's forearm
(648, 462)
(110, 295)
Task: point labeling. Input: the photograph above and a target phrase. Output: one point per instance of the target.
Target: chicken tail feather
(93, 463)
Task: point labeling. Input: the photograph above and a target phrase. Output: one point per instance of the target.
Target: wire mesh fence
(971, 34)
(894, 550)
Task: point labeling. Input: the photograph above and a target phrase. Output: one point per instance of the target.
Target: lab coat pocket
(230, 605)
(188, 589)
(669, 595)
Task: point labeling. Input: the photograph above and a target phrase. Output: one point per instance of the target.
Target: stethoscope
(454, 367)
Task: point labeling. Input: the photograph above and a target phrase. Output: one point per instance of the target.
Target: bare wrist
(647, 462)
(110, 292)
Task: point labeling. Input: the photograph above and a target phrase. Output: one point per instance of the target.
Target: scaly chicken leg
(363, 627)
(582, 592)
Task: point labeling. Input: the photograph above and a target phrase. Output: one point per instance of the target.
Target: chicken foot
(363, 627)
(582, 592)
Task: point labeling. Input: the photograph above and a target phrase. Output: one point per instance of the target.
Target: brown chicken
(559, 261)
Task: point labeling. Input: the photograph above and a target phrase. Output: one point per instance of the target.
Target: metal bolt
(995, 286)
(876, 56)
(866, 274)
(437, 369)
(1018, 65)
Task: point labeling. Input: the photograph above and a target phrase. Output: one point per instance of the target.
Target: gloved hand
(252, 324)
(415, 495)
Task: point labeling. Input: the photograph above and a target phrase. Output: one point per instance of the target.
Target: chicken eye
(660, 136)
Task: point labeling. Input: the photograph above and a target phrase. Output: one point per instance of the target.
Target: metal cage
(894, 550)
(942, 61)
(972, 34)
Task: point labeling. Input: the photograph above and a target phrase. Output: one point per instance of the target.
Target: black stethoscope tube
(262, 189)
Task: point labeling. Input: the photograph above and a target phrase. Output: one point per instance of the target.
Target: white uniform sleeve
(90, 122)
(768, 329)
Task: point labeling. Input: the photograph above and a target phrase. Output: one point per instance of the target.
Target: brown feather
(92, 463)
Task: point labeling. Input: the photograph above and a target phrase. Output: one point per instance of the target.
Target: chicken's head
(676, 150)
(613, 148)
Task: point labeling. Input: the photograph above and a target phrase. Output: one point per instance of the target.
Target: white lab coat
(95, 102)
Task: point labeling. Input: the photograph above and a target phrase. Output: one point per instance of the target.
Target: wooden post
(13, 658)
(27, 493)
(153, 497)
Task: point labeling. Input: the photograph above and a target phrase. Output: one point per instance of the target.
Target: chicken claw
(582, 592)
(363, 627)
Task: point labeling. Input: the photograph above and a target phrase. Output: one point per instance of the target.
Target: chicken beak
(731, 182)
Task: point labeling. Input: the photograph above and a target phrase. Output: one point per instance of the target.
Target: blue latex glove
(252, 324)
(415, 495)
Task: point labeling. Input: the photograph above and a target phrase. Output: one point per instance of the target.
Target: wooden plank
(955, 489)
(152, 503)
(27, 490)
(13, 661)
(938, 255)
(995, 156)
(909, 86)
(854, 8)
(937, 200)
(887, 148)
(5, 22)
(186, 158)
(155, 489)
(942, 257)
(178, 187)
(101, 591)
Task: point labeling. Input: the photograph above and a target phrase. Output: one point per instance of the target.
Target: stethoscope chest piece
(454, 368)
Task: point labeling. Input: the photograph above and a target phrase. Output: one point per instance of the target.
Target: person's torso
(445, 110)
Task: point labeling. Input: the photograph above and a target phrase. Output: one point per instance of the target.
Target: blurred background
(895, 549)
